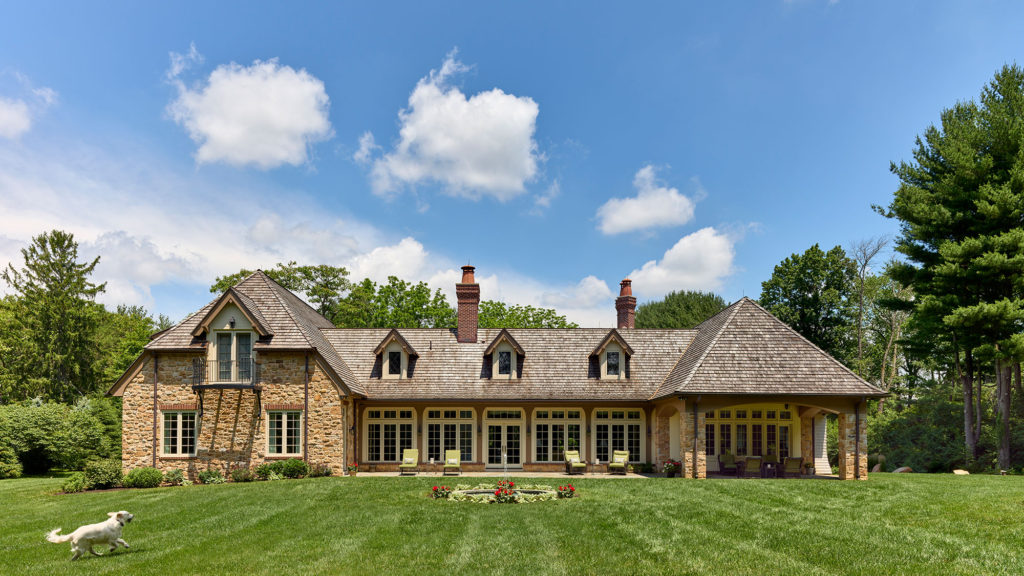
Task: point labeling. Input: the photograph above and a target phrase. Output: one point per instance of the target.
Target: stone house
(258, 375)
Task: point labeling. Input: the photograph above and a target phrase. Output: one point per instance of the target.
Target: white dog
(83, 539)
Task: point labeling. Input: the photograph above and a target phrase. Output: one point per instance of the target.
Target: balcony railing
(245, 371)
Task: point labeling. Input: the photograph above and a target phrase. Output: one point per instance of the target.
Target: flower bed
(506, 492)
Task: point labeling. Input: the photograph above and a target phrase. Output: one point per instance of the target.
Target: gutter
(156, 366)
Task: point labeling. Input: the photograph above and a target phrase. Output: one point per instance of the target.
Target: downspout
(305, 413)
(156, 365)
(695, 402)
(814, 448)
(856, 441)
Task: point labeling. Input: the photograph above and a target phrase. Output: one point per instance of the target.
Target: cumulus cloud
(367, 146)
(264, 115)
(542, 201)
(131, 265)
(698, 261)
(478, 146)
(18, 112)
(654, 206)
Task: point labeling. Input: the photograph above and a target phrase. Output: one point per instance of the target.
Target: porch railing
(245, 371)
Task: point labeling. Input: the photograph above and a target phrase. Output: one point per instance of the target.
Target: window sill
(176, 456)
(281, 456)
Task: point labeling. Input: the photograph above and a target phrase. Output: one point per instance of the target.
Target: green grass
(892, 524)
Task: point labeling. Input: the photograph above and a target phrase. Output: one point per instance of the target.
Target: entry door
(507, 436)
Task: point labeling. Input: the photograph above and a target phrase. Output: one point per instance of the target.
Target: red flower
(435, 488)
(571, 488)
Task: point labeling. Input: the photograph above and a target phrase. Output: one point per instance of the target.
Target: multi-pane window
(450, 429)
(388, 433)
(244, 344)
(233, 357)
(505, 362)
(754, 432)
(755, 442)
(394, 362)
(224, 357)
(741, 439)
(783, 442)
(770, 440)
(726, 430)
(179, 433)
(709, 438)
(284, 432)
(613, 364)
(623, 432)
(555, 432)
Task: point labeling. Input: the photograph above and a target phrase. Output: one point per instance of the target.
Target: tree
(813, 292)
(684, 309)
(55, 306)
(322, 285)
(396, 304)
(862, 253)
(960, 204)
(494, 314)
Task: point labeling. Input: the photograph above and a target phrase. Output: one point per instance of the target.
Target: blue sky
(558, 147)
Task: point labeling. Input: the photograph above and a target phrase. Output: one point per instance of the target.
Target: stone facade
(850, 444)
(693, 468)
(231, 430)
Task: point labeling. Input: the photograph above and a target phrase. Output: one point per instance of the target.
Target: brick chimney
(468, 294)
(625, 305)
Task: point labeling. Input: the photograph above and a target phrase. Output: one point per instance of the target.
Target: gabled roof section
(746, 350)
(244, 303)
(395, 336)
(613, 336)
(504, 336)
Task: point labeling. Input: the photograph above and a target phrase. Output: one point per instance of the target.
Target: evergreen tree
(684, 309)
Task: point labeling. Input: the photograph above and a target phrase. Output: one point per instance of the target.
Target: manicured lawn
(907, 524)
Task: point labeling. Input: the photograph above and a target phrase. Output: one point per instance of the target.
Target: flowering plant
(506, 492)
(566, 491)
(671, 467)
(441, 492)
(353, 467)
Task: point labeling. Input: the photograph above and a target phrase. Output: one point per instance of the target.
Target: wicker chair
(727, 464)
(573, 464)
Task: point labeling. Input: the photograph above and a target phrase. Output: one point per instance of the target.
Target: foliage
(567, 491)
(56, 313)
(294, 468)
(120, 337)
(75, 483)
(242, 475)
(926, 435)
(210, 476)
(101, 474)
(322, 285)
(263, 471)
(353, 467)
(505, 493)
(396, 304)
(174, 477)
(684, 309)
(9, 465)
(671, 466)
(813, 292)
(143, 478)
(48, 435)
(441, 492)
(495, 314)
(319, 470)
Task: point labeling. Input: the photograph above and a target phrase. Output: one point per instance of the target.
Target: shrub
(294, 468)
(319, 470)
(52, 435)
(174, 477)
(9, 465)
(75, 483)
(274, 476)
(143, 478)
(242, 475)
(264, 470)
(102, 474)
(211, 476)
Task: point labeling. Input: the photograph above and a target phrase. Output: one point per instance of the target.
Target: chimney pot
(625, 306)
(467, 274)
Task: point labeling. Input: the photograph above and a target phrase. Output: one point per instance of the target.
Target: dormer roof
(243, 303)
(613, 336)
(504, 336)
(395, 336)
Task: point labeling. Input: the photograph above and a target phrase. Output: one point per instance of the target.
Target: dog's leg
(122, 543)
(93, 552)
(77, 554)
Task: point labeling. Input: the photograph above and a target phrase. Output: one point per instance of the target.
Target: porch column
(852, 445)
(806, 438)
(662, 439)
(692, 435)
(348, 420)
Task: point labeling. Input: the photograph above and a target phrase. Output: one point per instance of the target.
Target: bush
(242, 475)
(263, 471)
(51, 435)
(211, 476)
(9, 465)
(102, 474)
(319, 470)
(294, 468)
(143, 478)
(174, 477)
(75, 483)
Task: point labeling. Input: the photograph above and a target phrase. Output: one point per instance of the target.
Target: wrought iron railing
(245, 371)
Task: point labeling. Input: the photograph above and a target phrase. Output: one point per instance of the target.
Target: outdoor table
(769, 469)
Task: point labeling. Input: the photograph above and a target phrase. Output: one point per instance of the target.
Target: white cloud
(698, 261)
(542, 201)
(132, 265)
(15, 118)
(264, 115)
(18, 113)
(367, 145)
(654, 206)
(478, 146)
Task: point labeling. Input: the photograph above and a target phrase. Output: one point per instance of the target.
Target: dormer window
(233, 356)
(505, 355)
(505, 362)
(610, 359)
(395, 356)
(612, 363)
(395, 362)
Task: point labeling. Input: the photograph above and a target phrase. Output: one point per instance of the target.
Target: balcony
(242, 374)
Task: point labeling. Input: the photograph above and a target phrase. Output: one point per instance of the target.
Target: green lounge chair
(619, 462)
(452, 461)
(410, 461)
(727, 464)
(752, 467)
(792, 468)
(573, 464)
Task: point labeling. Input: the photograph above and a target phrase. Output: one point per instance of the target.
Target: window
(755, 443)
(726, 430)
(741, 439)
(758, 430)
(613, 363)
(709, 438)
(505, 362)
(555, 432)
(284, 434)
(388, 433)
(450, 430)
(783, 442)
(394, 363)
(224, 357)
(233, 355)
(179, 434)
(769, 431)
(619, 429)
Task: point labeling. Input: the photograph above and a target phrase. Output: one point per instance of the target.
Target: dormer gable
(506, 356)
(233, 311)
(612, 357)
(396, 356)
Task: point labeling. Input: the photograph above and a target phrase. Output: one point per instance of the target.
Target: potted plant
(808, 469)
(353, 468)
(671, 468)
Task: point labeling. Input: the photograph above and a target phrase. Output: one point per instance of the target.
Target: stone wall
(849, 443)
(693, 468)
(806, 440)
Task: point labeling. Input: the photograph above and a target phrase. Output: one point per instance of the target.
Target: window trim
(613, 347)
(565, 421)
(457, 421)
(285, 435)
(610, 419)
(384, 419)
(195, 433)
(213, 356)
(504, 346)
(385, 372)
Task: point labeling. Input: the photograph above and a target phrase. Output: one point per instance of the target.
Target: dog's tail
(57, 538)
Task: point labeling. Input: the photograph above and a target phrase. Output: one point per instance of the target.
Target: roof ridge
(815, 346)
(714, 340)
(287, 308)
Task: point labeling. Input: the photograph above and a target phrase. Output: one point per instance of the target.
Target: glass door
(507, 438)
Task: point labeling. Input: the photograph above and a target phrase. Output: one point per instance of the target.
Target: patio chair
(619, 462)
(410, 461)
(573, 464)
(752, 467)
(792, 468)
(452, 461)
(727, 464)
